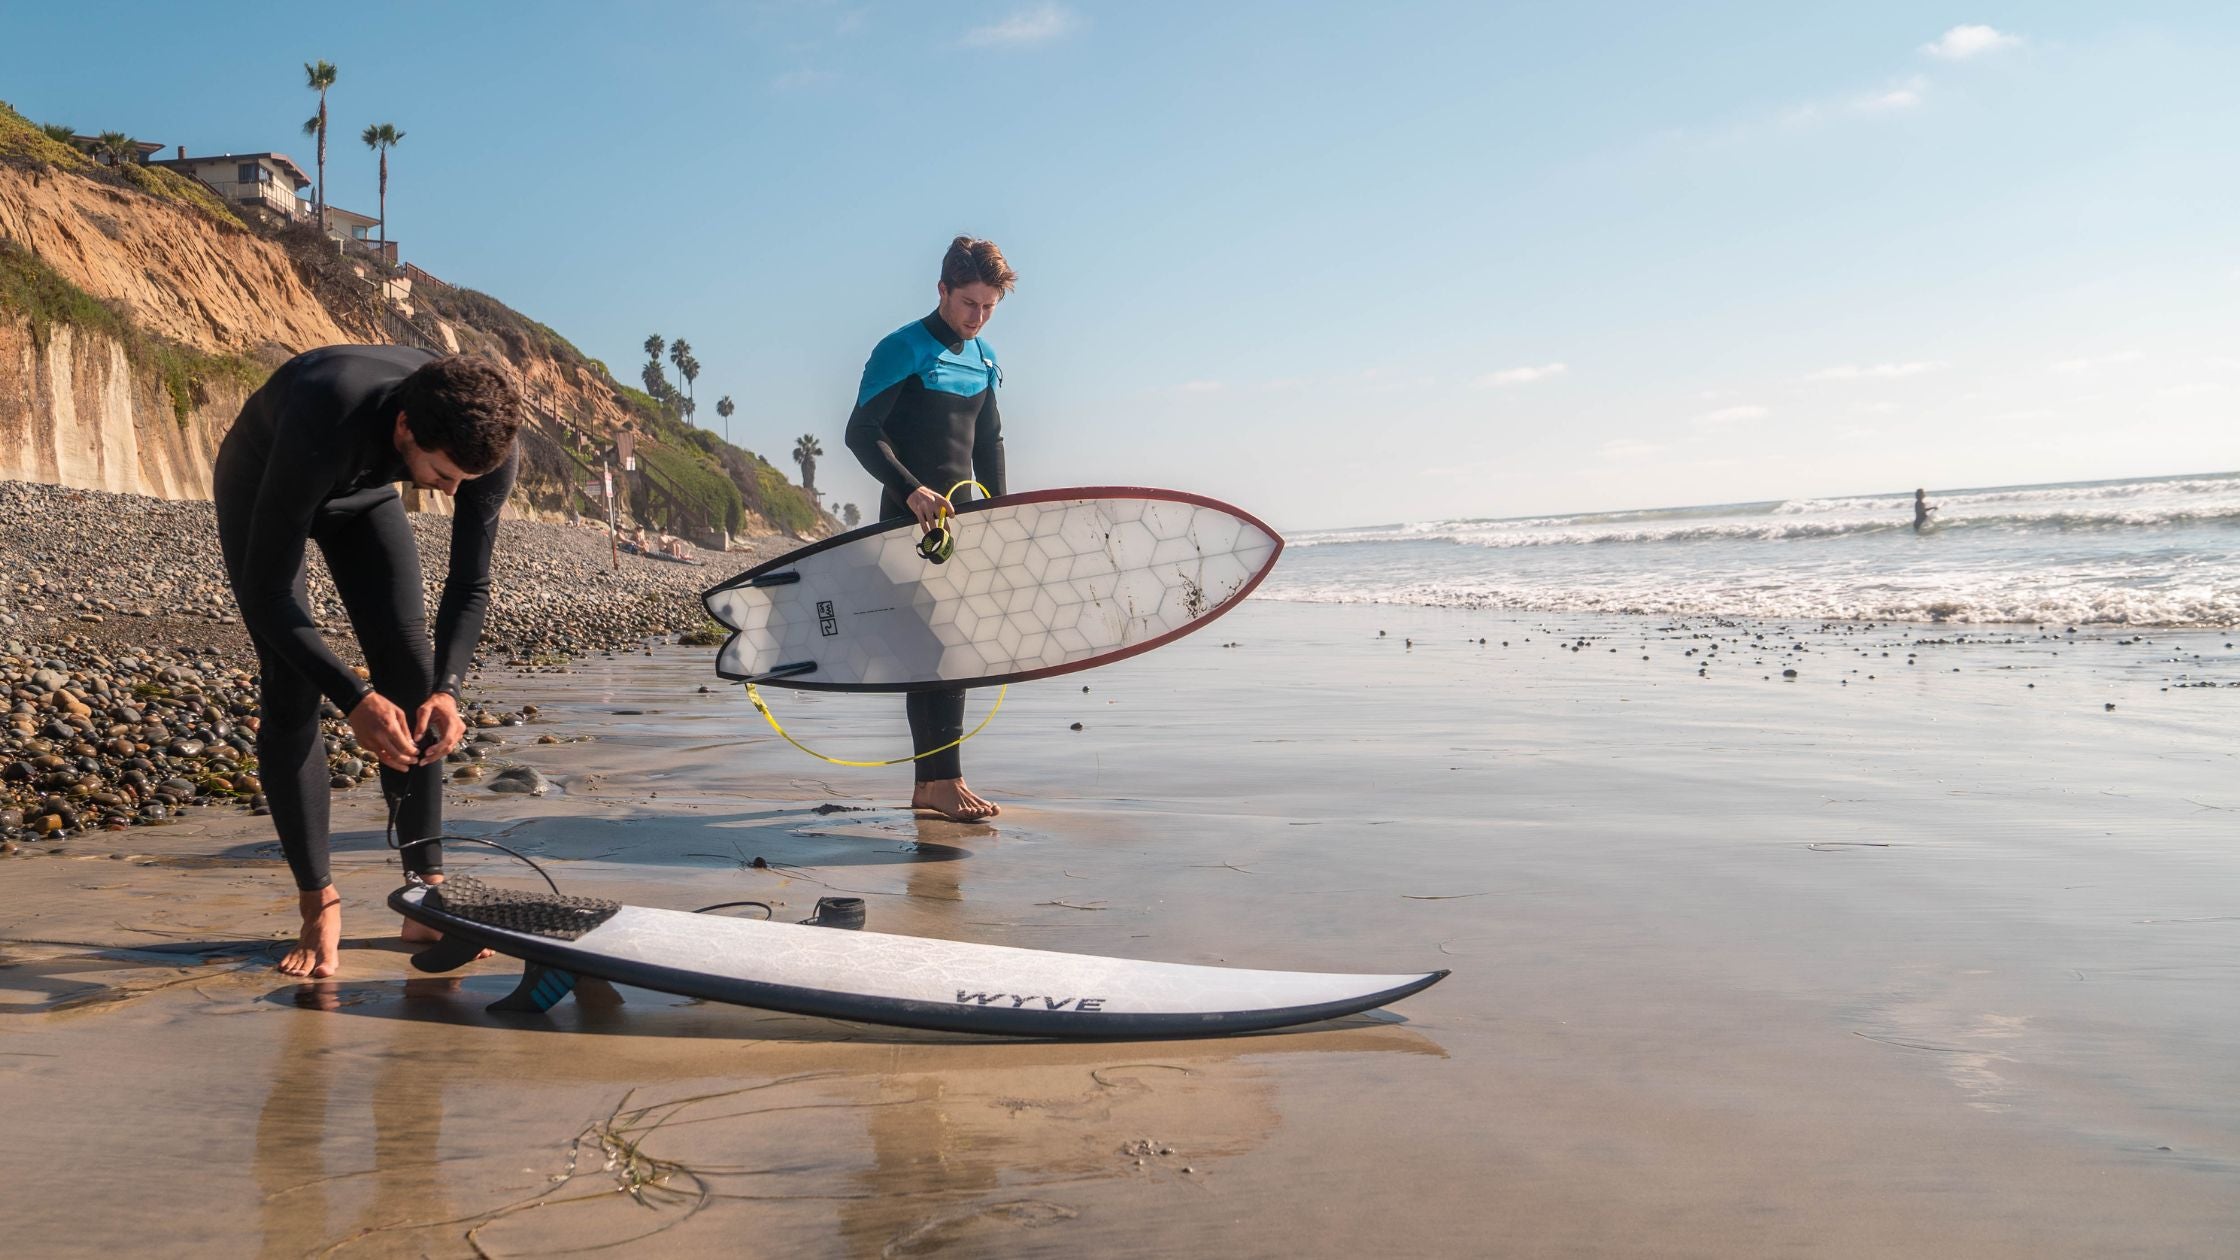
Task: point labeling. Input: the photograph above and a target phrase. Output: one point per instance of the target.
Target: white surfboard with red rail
(1039, 584)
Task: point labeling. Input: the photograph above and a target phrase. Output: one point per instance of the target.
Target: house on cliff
(267, 182)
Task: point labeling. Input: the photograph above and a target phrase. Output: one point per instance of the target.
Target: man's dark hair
(970, 259)
(464, 406)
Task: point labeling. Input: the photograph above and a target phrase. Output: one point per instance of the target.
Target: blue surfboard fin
(541, 989)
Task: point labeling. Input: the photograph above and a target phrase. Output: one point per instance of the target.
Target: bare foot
(415, 932)
(951, 799)
(318, 951)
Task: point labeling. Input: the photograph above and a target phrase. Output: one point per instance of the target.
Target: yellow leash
(772, 719)
(755, 695)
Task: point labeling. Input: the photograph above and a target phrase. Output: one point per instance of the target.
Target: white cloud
(1874, 371)
(1903, 95)
(2094, 362)
(2190, 389)
(1037, 25)
(1725, 416)
(1627, 448)
(1201, 387)
(1963, 42)
(1519, 375)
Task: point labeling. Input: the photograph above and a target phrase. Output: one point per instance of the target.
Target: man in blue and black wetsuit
(925, 422)
(313, 459)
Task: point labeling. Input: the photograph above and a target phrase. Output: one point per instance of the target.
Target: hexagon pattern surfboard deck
(1041, 583)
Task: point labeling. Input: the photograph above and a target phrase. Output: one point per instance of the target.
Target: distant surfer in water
(314, 458)
(1921, 509)
(925, 421)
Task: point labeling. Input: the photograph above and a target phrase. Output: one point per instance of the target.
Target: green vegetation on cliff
(24, 144)
(47, 299)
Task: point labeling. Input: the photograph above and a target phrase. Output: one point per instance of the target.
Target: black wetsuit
(313, 459)
(926, 416)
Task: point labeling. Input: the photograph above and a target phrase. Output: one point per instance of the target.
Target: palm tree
(805, 453)
(62, 132)
(382, 137)
(680, 353)
(319, 78)
(114, 148)
(724, 409)
(653, 347)
(850, 515)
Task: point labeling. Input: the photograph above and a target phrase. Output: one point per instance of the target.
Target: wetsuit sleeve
(987, 447)
(867, 438)
(885, 374)
(305, 460)
(466, 585)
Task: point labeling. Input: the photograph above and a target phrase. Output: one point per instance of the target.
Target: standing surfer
(1921, 510)
(313, 458)
(925, 422)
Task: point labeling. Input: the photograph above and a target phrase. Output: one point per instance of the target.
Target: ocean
(2158, 551)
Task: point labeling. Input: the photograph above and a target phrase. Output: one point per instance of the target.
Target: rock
(522, 779)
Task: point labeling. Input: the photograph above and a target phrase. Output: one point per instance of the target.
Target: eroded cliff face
(173, 271)
(74, 412)
(76, 407)
(107, 404)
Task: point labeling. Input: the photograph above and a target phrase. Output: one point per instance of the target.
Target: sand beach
(1920, 953)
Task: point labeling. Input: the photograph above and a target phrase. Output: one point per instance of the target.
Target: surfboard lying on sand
(1039, 584)
(870, 977)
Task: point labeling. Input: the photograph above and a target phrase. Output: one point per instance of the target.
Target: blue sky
(1338, 264)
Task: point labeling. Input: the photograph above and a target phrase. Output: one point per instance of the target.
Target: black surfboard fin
(541, 989)
(837, 912)
(448, 954)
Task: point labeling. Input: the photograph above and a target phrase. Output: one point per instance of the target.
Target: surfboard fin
(541, 989)
(446, 955)
(837, 912)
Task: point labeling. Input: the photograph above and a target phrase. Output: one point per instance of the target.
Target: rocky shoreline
(130, 683)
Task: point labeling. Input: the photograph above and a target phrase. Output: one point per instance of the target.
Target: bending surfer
(313, 458)
(925, 420)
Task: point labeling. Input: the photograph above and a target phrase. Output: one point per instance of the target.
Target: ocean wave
(2016, 604)
(1568, 532)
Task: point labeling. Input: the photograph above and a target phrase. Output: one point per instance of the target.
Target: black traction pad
(554, 915)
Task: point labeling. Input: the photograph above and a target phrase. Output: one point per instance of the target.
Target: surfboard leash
(755, 695)
(396, 802)
(937, 546)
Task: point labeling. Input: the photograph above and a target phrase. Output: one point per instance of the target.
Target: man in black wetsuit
(314, 458)
(925, 421)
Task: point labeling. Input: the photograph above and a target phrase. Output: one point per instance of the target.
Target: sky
(1338, 264)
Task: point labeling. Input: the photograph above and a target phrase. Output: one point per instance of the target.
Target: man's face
(429, 470)
(968, 308)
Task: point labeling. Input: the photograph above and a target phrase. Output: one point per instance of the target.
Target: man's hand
(379, 726)
(927, 506)
(436, 727)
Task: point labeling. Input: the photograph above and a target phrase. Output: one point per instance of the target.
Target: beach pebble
(1077, 726)
(523, 779)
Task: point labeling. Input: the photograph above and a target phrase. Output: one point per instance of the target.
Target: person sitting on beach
(925, 421)
(1921, 509)
(313, 458)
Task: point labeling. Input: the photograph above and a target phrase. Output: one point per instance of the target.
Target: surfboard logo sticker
(1019, 1001)
(1040, 584)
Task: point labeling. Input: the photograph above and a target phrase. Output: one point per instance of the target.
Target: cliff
(137, 312)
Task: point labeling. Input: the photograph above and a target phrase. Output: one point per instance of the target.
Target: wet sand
(1932, 962)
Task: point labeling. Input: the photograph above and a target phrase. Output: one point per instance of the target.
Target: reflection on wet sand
(783, 1127)
(294, 1146)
